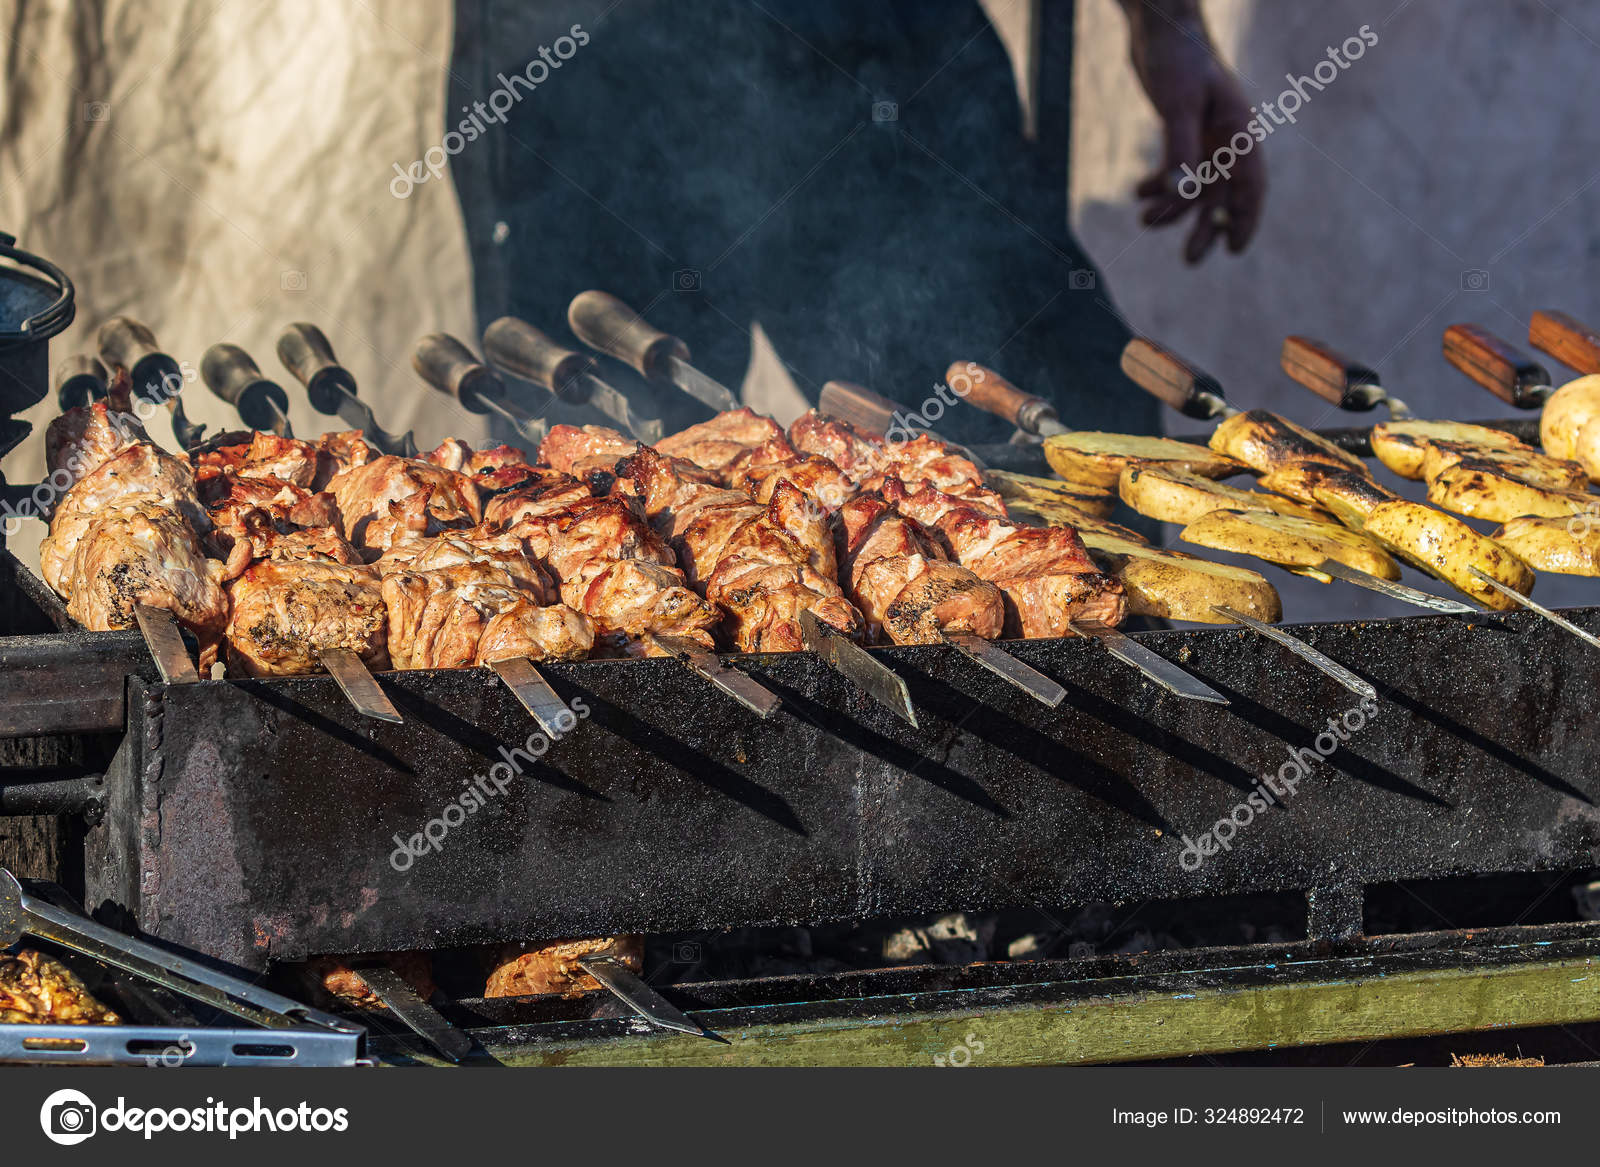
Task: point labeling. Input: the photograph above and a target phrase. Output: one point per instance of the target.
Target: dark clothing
(852, 175)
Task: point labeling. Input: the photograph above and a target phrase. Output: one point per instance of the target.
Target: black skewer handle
(126, 343)
(306, 353)
(522, 350)
(604, 322)
(449, 366)
(232, 375)
(80, 379)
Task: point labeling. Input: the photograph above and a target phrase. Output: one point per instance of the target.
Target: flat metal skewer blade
(1393, 590)
(529, 687)
(359, 687)
(619, 979)
(280, 420)
(699, 386)
(165, 642)
(1559, 621)
(881, 683)
(1158, 668)
(1008, 668)
(615, 405)
(742, 687)
(420, 1017)
(1301, 649)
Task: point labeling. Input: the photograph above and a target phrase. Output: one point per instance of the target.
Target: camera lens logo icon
(68, 1117)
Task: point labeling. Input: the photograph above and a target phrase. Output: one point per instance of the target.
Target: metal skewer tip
(1008, 668)
(863, 669)
(358, 685)
(1301, 649)
(1537, 608)
(1395, 591)
(621, 980)
(1157, 668)
(165, 642)
(530, 688)
(743, 688)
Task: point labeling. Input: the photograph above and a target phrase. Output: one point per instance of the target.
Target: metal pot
(36, 302)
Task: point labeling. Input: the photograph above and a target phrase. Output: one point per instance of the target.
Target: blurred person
(853, 177)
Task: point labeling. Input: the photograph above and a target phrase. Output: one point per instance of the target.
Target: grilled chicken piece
(1171, 495)
(583, 452)
(543, 491)
(250, 513)
(84, 438)
(1447, 548)
(924, 459)
(137, 470)
(339, 452)
(285, 613)
(813, 475)
(901, 579)
(255, 533)
(538, 970)
(36, 989)
(1521, 461)
(138, 550)
(439, 619)
(1568, 545)
(853, 452)
(452, 454)
(1401, 445)
(1098, 459)
(1264, 441)
(480, 545)
(1175, 586)
(393, 499)
(1483, 490)
(1349, 496)
(717, 444)
(335, 982)
(1298, 544)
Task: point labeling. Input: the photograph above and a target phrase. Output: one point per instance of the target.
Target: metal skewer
(331, 387)
(735, 683)
(521, 349)
(605, 323)
(1008, 668)
(1512, 594)
(535, 694)
(864, 670)
(1157, 668)
(1395, 591)
(873, 413)
(155, 377)
(232, 375)
(1301, 649)
(447, 365)
(621, 981)
(358, 684)
(165, 642)
(420, 1017)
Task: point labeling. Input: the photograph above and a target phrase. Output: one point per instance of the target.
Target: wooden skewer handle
(605, 323)
(1169, 378)
(988, 390)
(1501, 368)
(1330, 374)
(449, 366)
(522, 350)
(306, 353)
(1571, 342)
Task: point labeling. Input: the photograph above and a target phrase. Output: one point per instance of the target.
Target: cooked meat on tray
(36, 989)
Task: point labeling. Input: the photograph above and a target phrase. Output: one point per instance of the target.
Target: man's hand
(1201, 108)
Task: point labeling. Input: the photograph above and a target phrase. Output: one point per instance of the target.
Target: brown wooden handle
(80, 379)
(522, 350)
(306, 353)
(1330, 374)
(1570, 341)
(1167, 377)
(861, 407)
(605, 323)
(126, 343)
(987, 389)
(449, 366)
(1500, 367)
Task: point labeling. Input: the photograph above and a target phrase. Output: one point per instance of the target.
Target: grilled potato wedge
(1298, 544)
(1568, 410)
(1566, 544)
(1401, 445)
(1176, 586)
(1025, 488)
(1264, 441)
(1097, 458)
(1522, 461)
(1482, 490)
(1446, 548)
(1171, 495)
(1348, 495)
(1046, 514)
